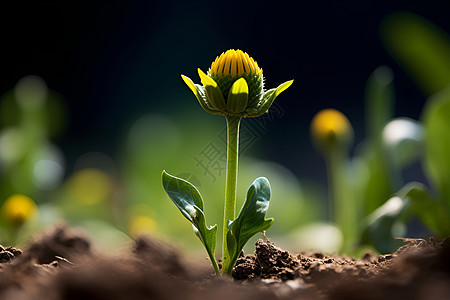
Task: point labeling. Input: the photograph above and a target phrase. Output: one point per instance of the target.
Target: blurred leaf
(189, 201)
(379, 109)
(412, 199)
(436, 119)
(378, 185)
(430, 211)
(403, 139)
(420, 47)
(251, 218)
(380, 100)
(379, 225)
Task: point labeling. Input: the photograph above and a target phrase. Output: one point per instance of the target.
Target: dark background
(114, 61)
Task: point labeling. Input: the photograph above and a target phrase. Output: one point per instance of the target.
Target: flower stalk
(233, 124)
(332, 135)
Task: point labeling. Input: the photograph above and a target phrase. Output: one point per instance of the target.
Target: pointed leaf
(213, 91)
(189, 201)
(251, 218)
(183, 194)
(238, 96)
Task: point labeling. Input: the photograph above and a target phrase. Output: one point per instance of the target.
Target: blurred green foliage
(420, 47)
(393, 144)
(118, 198)
(423, 50)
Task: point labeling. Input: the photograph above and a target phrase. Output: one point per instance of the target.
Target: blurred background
(93, 107)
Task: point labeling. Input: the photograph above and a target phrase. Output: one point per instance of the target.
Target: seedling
(234, 88)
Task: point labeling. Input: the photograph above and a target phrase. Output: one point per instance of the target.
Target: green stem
(342, 199)
(233, 123)
(214, 262)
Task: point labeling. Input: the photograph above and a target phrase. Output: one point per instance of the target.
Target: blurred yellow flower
(90, 186)
(17, 209)
(330, 128)
(141, 225)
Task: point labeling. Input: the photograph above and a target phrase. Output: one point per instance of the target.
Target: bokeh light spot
(31, 92)
(90, 186)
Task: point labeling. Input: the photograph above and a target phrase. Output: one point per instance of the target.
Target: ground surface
(61, 264)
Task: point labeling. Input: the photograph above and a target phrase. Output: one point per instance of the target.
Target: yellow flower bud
(17, 209)
(234, 86)
(330, 129)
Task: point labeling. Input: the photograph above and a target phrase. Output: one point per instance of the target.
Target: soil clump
(61, 263)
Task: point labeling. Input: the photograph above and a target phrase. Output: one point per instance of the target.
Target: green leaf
(238, 96)
(251, 218)
(189, 201)
(436, 120)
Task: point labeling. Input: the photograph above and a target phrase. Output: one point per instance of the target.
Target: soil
(61, 263)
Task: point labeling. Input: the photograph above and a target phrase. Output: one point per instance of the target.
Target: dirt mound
(60, 264)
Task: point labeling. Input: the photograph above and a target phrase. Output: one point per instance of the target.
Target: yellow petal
(233, 65)
(226, 69)
(240, 65)
(247, 66)
(221, 63)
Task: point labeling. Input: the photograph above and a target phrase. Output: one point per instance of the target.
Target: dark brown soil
(62, 264)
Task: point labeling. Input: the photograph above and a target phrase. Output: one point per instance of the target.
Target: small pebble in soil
(9, 253)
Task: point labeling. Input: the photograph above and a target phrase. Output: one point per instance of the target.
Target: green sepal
(203, 100)
(270, 96)
(190, 203)
(251, 219)
(213, 92)
(238, 96)
(254, 81)
(200, 94)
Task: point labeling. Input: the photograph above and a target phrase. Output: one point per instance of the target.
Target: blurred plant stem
(342, 200)
(233, 123)
(379, 109)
